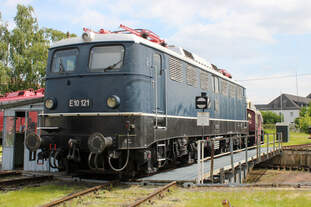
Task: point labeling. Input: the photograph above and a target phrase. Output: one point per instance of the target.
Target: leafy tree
(303, 111)
(4, 54)
(304, 120)
(24, 51)
(53, 35)
(270, 117)
(297, 121)
(305, 123)
(309, 110)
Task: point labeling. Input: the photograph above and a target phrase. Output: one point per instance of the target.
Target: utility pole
(281, 106)
(296, 84)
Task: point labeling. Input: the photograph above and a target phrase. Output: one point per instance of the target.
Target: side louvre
(175, 68)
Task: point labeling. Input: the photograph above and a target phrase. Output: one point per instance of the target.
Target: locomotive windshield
(105, 58)
(64, 60)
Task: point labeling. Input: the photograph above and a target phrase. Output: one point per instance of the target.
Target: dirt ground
(278, 176)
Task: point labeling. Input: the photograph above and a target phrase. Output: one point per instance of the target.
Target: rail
(269, 147)
(257, 185)
(81, 193)
(166, 187)
(9, 173)
(34, 179)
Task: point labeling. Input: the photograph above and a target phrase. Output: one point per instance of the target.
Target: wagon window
(105, 58)
(64, 60)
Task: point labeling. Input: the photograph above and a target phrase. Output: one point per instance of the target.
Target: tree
(24, 51)
(304, 120)
(303, 111)
(270, 117)
(4, 54)
(309, 109)
(53, 35)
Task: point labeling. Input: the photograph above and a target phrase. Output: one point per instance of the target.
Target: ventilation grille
(232, 90)
(239, 92)
(176, 72)
(204, 80)
(192, 78)
(224, 88)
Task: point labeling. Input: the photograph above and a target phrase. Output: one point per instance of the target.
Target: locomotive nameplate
(75, 102)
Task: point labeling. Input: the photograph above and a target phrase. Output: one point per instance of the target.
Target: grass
(197, 197)
(36, 196)
(295, 138)
(249, 197)
(177, 197)
(118, 196)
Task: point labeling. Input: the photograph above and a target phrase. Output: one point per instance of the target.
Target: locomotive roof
(199, 62)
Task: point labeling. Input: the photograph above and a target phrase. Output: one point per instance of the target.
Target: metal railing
(270, 148)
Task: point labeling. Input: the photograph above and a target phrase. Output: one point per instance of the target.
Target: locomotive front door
(159, 91)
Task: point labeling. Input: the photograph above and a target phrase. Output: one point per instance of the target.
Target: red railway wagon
(15, 97)
(255, 121)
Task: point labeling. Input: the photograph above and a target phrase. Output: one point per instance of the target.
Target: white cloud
(237, 35)
(263, 91)
(96, 20)
(227, 33)
(13, 3)
(241, 18)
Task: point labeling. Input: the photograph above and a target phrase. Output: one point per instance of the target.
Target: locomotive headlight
(113, 101)
(50, 103)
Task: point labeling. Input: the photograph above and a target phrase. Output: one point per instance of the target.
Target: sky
(264, 44)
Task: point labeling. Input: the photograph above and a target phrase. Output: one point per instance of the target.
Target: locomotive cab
(95, 94)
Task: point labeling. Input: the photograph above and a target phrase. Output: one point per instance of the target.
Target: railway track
(99, 187)
(78, 194)
(24, 180)
(152, 195)
(9, 173)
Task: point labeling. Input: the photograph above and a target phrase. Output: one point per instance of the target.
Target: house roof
(299, 100)
(261, 106)
(309, 96)
(285, 102)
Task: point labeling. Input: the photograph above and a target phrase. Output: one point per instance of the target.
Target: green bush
(304, 120)
(269, 126)
(305, 123)
(270, 117)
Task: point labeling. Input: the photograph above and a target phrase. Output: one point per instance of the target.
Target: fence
(264, 151)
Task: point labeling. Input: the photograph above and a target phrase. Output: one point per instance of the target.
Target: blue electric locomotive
(124, 102)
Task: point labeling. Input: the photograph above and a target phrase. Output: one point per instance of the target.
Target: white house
(286, 104)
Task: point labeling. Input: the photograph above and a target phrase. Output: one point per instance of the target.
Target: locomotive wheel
(91, 160)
